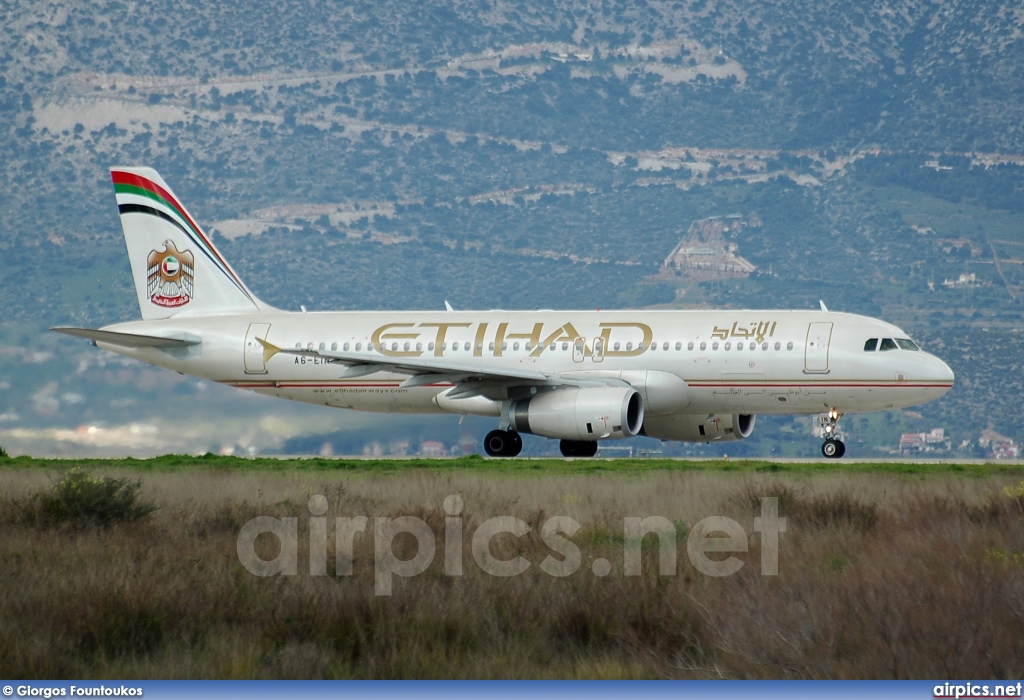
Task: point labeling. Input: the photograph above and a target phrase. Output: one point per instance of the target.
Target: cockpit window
(871, 345)
(907, 344)
(888, 344)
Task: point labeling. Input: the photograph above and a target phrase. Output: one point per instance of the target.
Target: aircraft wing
(128, 340)
(468, 374)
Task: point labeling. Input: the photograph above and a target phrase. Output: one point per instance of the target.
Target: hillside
(385, 155)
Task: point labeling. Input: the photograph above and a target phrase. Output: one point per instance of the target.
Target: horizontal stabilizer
(128, 340)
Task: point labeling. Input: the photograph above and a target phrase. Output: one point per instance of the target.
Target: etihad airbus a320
(576, 376)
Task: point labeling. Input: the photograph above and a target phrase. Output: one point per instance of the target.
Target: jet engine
(579, 414)
(689, 427)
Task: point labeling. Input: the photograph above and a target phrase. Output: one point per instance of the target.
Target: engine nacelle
(579, 414)
(689, 427)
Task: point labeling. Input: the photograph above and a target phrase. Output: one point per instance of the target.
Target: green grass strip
(477, 464)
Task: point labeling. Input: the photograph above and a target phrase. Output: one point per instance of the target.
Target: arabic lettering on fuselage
(757, 330)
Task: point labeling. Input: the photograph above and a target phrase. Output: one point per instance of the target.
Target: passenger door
(819, 335)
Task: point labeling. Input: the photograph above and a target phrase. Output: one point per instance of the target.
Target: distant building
(1005, 450)
(999, 446)
(912, 443)
(932, 441)
(704, 254)
(433, 448)
(964, 280)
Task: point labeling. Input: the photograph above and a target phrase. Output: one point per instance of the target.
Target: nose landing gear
(833, 447)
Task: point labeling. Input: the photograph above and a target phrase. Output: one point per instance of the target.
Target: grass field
(885, 571)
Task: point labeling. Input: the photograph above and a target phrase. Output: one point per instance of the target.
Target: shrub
(1016, 496)
(838, 509)
(79, 498)
(751, 495)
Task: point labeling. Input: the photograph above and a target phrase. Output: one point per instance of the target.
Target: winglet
(447, 306)
(822, 305)
(269, 349)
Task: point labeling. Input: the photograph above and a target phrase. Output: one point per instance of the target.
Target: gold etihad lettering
(378, 339)
(442, 333)
(532, 338)
(386, 338)
(565, 332)
(478, 342)
(609, 348)
(756, 330)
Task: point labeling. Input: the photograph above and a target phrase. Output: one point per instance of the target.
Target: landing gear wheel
(578, 448)
(833, 449)
(503, 443)
(517, 444)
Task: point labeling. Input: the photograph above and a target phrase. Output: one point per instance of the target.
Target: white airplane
(576, 376)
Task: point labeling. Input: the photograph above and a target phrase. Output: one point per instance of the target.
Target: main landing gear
(503, 443)
(578, 448)
(508, 443)
(833, 447)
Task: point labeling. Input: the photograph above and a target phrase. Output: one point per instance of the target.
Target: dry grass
(880, 577)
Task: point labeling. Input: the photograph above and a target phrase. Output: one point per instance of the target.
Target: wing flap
(471, 378)
(449, 369)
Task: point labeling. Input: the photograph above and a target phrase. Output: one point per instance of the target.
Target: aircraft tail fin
(176, 268)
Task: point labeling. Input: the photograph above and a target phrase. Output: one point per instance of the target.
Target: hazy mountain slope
(383, 154)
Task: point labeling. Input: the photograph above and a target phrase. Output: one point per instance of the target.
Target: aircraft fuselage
(757, 362)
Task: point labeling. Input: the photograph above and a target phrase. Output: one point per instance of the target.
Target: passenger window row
(691, 346)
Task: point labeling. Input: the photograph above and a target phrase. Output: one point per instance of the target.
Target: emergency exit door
(579, 349)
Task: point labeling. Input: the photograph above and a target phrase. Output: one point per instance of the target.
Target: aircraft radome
(577, 376)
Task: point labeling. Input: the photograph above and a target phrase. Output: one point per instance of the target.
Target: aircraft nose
(947, 373)
(939, 371)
